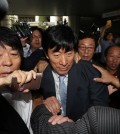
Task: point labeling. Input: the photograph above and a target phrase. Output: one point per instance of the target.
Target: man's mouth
(63, 69)
(5, 74)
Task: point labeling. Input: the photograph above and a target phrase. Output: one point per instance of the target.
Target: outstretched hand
(53, 105)
(22, 77)
(106, 77)
(59, 119)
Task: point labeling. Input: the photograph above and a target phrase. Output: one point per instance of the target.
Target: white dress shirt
(22, 103)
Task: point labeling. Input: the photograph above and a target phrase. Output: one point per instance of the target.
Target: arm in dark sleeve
(98, 119)
(30, 62)
(104, 120)
(40, 125)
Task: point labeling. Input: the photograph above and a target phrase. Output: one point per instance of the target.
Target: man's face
(110, 36)
(61, 61)
(10, 60)
(86, 48)
(113, 59)
(36, 39)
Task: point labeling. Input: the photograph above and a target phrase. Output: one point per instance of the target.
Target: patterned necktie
(63, 93)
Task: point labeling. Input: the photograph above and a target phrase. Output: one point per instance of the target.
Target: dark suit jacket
(98, 120)
(82, 90)
(10, 121)
(30, 62)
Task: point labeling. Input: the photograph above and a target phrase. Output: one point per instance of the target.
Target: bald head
(3, 8)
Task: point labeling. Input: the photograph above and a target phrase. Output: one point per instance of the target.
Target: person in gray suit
(81, 91)
(97, 120)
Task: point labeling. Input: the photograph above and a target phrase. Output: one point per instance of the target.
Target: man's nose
(7, 60)
(86, 51)
(63, 60)
(115, 60)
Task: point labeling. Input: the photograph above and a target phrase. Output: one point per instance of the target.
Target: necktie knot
(61, 79)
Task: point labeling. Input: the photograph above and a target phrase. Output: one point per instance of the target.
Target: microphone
(3, 8)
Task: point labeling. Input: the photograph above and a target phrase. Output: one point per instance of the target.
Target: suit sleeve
(104, 120)
(30, 62)
(40, 125)
(98, 119)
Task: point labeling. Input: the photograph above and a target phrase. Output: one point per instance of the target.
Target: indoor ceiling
(89, 8)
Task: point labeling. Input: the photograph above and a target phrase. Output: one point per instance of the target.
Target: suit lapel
(71, 88)
(48, 83)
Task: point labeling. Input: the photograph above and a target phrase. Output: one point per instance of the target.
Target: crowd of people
(78, 93)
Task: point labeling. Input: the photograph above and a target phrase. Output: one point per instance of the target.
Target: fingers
(29, 75)
(22, 77)
(26, 91)
(98, 79)
(58, 119)
(53, 105)
(111, 89)
(77, 57)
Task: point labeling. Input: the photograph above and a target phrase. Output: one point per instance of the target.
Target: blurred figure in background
(106, 39)
(112, 64)
(33, 51)
(86, 46)
(35, 41)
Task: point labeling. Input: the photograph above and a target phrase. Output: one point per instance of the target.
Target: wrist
(116, 82)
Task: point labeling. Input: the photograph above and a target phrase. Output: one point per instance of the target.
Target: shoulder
(87, 67)
(84, 64)
(47, 72)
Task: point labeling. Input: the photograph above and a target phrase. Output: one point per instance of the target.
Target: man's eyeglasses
(86, 48)
(36, 37)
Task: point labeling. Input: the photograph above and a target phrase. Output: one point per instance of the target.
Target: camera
(22, 29)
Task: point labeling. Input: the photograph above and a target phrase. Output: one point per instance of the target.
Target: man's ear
(47, 57)
(46, 54)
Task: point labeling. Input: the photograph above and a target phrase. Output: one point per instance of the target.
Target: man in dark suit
(81, 90)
